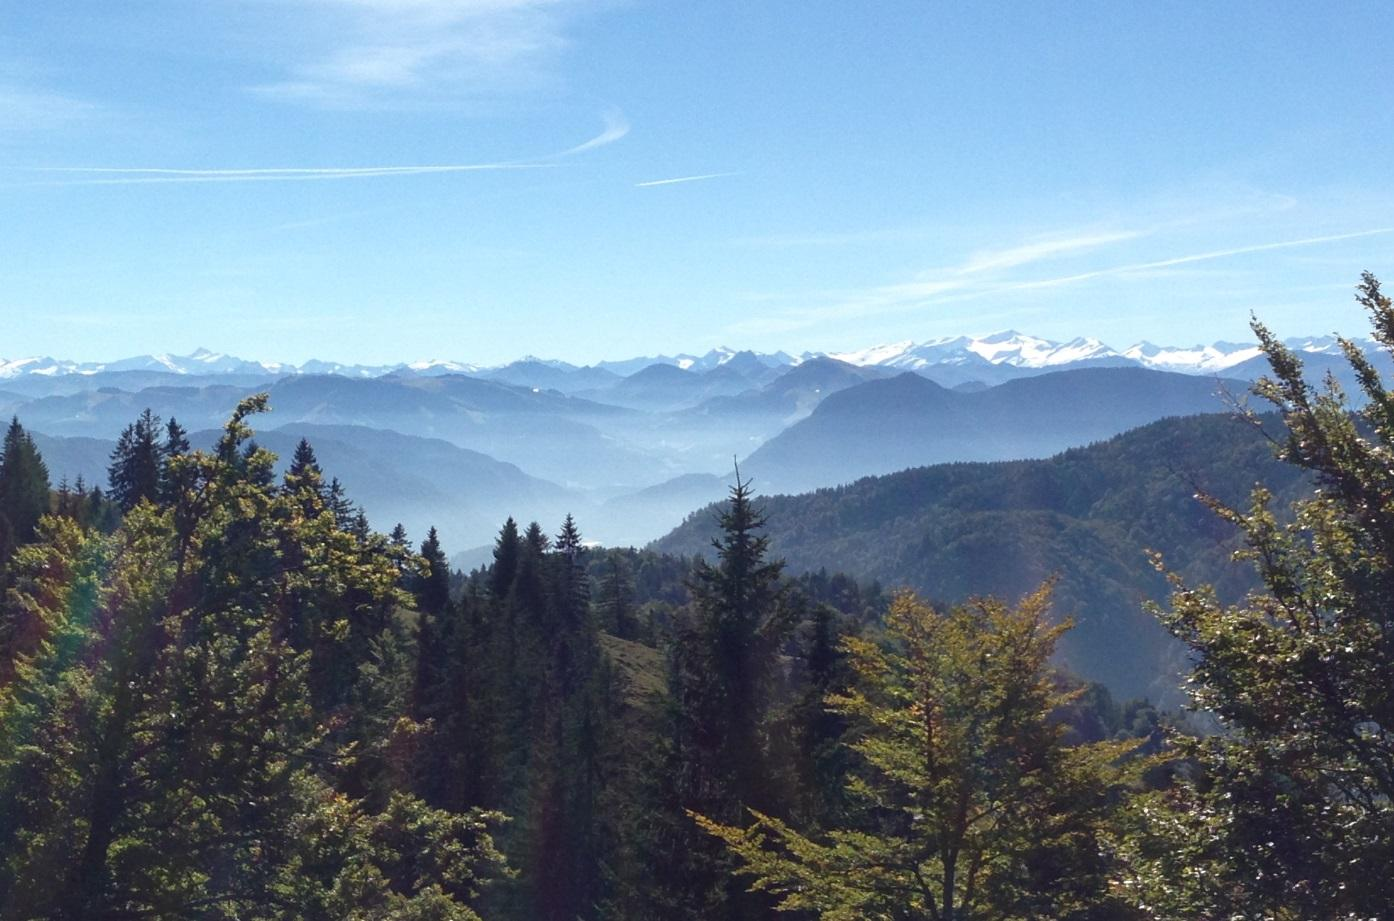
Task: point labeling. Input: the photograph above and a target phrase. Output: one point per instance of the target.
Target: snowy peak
(1198, 359)
(1008, 347)
(1006, 350)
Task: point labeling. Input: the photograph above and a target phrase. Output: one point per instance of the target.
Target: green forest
(223, 695)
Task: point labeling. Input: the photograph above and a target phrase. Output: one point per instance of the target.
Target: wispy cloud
(23, 109)
(1197, 257)
(365, 53)
(616, 127)
(679, 179)
(980, 275)
(1027, 253)
(972, 273)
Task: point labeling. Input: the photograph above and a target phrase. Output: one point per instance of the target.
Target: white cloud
(26, 110)
(1038, 250)
(363, 53)
(980, 275)
(972, 274)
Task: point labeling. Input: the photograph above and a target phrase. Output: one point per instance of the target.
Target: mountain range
(1008, 349)
(631, 447)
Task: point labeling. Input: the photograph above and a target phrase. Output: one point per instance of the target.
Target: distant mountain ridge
(910, 421)
(1085, 516)
(1006, 350)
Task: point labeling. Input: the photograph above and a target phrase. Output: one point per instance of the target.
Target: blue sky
(479, 179)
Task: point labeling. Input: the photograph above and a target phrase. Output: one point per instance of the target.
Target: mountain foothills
(1086, 517)
(1134, 663)
(648, 439)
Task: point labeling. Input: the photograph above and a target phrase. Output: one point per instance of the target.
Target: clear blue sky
(875, 172)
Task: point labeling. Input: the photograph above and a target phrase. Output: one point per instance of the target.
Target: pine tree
(339, 503)
(721, 664)
(431, 588)
(137, 463)
(506, 552)
(305, 481)
(24, 489)
(176, 446)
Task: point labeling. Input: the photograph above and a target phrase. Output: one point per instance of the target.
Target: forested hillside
(1086, 516)
(909, 421)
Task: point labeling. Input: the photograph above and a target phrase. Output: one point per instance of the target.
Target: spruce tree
(137, 463)
(721, 664)
(24, 489)
(506, 552)
(431, 588)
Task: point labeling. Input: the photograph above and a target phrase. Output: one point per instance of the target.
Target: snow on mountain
(17, 367)
(1005, 348)
(429, 367)
(1008, 348)
(1198, 359)
(881, 355)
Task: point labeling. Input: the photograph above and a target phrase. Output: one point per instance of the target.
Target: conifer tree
(163, 751)
(176, 439)
(721, 665)
(615, 600)
(176, 446)
(506, 552)
(137, 463)
(305, 480)
(24, 489)
(431, 588)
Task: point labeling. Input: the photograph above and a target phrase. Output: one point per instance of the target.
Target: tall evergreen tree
(24, 489)
(615, 600)
(506, 552)
(722, 662)
(137, 463)
(431, 588)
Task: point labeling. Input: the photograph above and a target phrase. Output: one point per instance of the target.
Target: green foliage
(1086, 518)
(184, 719)
(1297, 794)
(971, 805)
(137, 462)
(24, 489)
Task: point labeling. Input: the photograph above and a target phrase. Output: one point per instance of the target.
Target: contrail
(615, 128)
(1199, 257)
(653, 182)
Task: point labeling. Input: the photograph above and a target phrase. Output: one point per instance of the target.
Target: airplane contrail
(616, 127)
(653, 182)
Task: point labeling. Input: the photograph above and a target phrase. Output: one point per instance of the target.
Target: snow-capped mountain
(699, 363)
(1009, 352)
(1005, 348)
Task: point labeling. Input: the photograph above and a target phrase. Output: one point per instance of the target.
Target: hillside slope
(1086, 515)
(908, 421)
